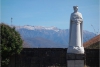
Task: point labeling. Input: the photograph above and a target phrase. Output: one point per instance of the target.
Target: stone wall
(50, 57)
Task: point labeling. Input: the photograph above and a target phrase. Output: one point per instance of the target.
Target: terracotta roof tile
(92, 41)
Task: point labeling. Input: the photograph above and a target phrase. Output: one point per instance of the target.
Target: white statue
(76, 33)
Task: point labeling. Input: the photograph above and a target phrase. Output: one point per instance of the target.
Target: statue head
(75, 8)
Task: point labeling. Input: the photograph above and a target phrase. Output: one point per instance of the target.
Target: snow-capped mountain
(47, 37)
(37, 28)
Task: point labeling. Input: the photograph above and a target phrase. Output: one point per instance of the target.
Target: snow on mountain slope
(37, 28)
(47, 37)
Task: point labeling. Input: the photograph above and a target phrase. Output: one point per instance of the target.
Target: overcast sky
(50, 13)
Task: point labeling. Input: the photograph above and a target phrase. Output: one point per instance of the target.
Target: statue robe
(76, 31)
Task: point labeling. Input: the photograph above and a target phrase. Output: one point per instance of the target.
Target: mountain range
(47, 37)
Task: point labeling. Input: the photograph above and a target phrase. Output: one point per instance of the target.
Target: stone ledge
(71, 56)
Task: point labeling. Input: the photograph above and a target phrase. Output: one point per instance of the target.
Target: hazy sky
(49, 13)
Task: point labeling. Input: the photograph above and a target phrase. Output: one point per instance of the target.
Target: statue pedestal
(75, 60)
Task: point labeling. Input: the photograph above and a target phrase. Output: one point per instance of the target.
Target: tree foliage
(11, 43)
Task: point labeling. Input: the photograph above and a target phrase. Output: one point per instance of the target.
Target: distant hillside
(26, 45)
(48, 37)
(93, 43)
